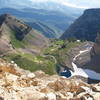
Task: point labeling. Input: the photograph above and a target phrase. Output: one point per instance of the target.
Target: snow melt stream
(87, 73)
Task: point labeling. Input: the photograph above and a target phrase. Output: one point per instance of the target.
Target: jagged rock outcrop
(16, 34)
(96, 47)
(19, 84)
(85, 27)
(89, 60)
(94, 62)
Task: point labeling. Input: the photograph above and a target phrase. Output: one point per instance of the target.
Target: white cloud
(75, 3)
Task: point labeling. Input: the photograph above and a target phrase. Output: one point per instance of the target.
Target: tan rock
(96, 88)
(59, 85)
(96, 96)
(39, 86)
(31, 75)
(39, 74)
(45, 90)
(1, 98)
(51, 96)
(80, 90)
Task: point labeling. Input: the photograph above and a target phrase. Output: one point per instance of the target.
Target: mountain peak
(18, 34)
(86, 26)
(5, 17)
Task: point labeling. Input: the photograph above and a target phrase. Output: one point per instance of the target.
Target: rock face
(94, 62)
(19, 84)
(84, 63)
(85, 27)
(96, 48)
(89, 60)
(16, 34)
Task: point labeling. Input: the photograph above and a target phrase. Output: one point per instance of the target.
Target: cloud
(84, 3)
(75, 3)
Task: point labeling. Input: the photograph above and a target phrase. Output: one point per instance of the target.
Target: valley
(49, 50)
(49, 21)
(29, 47)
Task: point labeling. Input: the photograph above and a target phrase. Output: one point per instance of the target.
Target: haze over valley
(49, 50)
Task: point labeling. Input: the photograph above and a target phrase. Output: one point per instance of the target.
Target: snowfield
(87, 73)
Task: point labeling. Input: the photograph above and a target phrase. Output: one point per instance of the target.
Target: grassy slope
(28, 61)
(60, 49)
(20, 44)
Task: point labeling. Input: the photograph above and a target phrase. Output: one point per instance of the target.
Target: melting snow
(92, 74)
(87, 73)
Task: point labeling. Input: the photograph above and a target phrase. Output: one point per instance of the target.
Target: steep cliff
(85, 27)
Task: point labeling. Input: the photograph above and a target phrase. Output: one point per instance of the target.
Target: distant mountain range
(54, 15)
(85, 27)
(46, 30)
(57, 21)
(48, 5)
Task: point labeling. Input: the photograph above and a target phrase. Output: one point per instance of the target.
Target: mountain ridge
(85, 27)
(17, 33)
(50, 18)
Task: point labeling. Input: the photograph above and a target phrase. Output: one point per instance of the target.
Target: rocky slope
(45, 29)
(94, 61)
(76, 58)
(22, 44)
(85, 27)
(19, 84)
(91, 59)
(15, 34)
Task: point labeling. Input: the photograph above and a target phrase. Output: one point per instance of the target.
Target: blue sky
(76, 3)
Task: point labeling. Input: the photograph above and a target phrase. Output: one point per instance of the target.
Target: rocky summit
(19, 84)
(15, 35)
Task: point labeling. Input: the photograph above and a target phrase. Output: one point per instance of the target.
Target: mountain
(18, 4)
(15, 34)
(46, 30)
(89, 59)
(85, 27)
(94, 61)
(24, 45)
(51, 19)
(49, 5)
(54, 14)
(56, 6)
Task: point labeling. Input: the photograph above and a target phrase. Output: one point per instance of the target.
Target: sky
(76, 3)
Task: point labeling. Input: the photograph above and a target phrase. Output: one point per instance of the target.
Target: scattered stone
(31, 75)
(96, 88)
(80, 90)
(1, 98)
(51, 96)
(12, 62)
(19, 84)
(96, 96)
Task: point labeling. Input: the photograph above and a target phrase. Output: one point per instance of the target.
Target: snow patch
(92, 74)
(87, 73)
